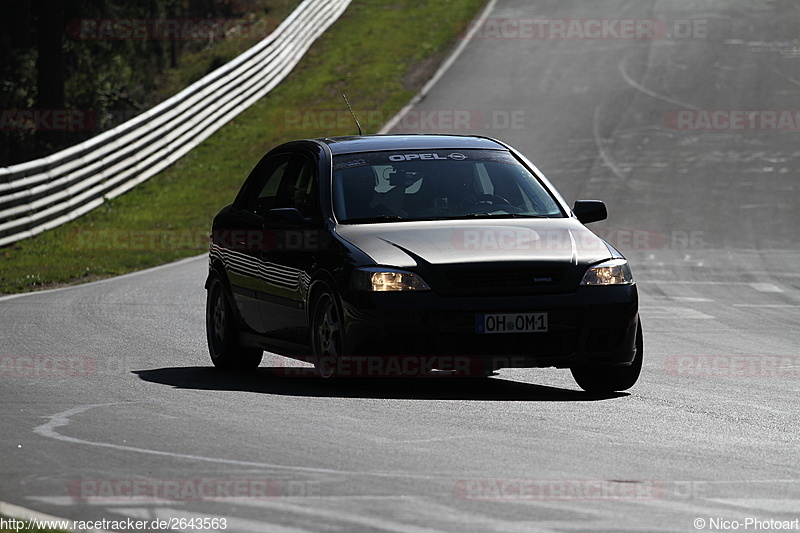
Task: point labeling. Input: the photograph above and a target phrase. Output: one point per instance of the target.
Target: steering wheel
(488, 202)
(491, 199)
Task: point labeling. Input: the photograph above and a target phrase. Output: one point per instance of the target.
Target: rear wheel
(611, 378)
(326, 334)
(223, 341)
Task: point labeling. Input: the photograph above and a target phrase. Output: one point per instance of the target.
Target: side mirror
(286, 216)
(590, 211)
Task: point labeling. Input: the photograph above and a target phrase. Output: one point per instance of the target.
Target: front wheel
(611, 378)
(223, 342)
(326, 334)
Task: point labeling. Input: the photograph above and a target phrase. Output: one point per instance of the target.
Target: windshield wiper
(377, 218)
(505, 215)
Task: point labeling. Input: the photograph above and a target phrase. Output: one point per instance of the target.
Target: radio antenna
(351, 112)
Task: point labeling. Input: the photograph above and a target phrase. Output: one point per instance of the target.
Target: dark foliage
(58, 55)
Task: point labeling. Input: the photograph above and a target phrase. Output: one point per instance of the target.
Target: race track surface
(707, 213)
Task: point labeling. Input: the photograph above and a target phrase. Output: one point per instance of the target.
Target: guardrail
(48, 192)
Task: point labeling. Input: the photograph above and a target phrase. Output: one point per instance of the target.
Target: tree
(50, 67)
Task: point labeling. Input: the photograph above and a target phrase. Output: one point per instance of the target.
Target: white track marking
(476, 24)
(106, 280)
(62, 419)
(605, 155)
(766, 287)
(22, 513)
(777, 306)
(674, 313)
(633, 83)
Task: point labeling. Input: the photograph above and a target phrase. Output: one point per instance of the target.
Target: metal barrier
(48, 192)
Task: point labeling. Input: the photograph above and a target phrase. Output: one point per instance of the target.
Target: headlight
(385, 279)
(615, 272)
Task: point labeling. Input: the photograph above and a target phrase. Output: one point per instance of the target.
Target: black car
(386, 254)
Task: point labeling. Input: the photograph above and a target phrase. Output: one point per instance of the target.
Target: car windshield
(436, 185)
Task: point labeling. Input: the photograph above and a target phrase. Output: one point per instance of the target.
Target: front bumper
(590, 326)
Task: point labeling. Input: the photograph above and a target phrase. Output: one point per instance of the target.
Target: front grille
(502, 278)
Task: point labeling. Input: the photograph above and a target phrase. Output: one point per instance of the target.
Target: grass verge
(379, 53)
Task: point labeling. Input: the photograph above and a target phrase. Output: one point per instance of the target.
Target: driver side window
(262, 195)
(282, 181)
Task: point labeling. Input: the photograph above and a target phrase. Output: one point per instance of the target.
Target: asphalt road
(707, 216)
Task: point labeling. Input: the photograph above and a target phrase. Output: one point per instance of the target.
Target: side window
(283, 181)
(304, 189)
(263, 192)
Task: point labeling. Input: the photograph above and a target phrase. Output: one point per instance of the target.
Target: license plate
(510, 323)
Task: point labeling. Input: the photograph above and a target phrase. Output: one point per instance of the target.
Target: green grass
(379, 53)
(196, 63)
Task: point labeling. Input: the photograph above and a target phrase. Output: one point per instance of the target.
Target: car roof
(378, 143)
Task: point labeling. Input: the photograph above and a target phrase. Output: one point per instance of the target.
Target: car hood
(409, 244)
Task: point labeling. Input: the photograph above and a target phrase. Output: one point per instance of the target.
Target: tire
(221, 331)
(326, 334)
(605, 379)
